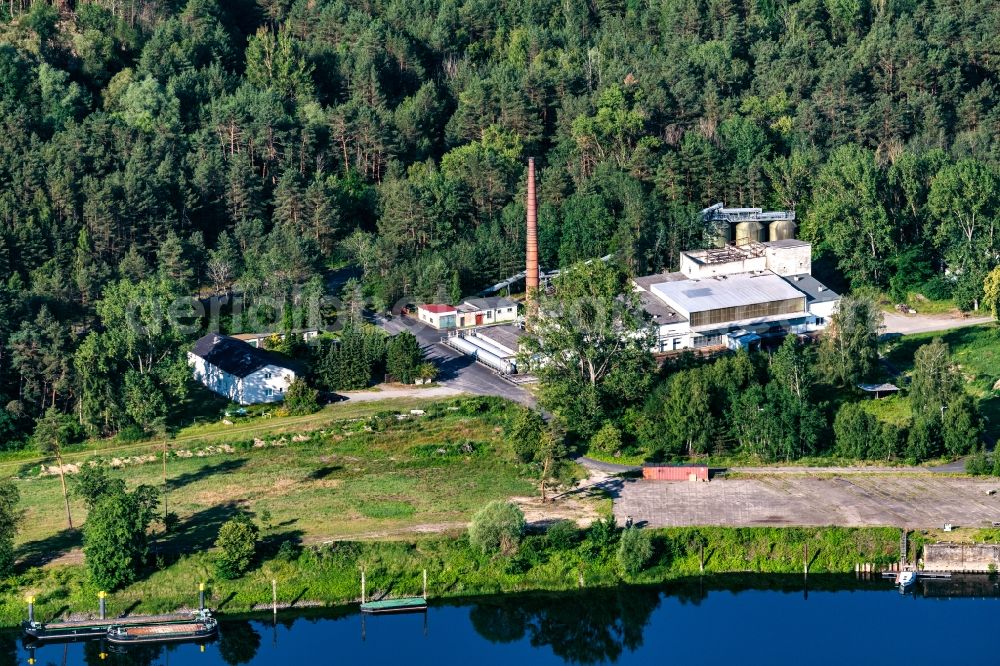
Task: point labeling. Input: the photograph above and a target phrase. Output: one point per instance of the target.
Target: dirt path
(896, 322)
(390, 392)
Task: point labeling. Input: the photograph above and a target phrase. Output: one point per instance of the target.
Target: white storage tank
(749, 232)
(781, 230)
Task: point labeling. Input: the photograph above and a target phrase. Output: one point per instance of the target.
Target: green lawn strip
(330, 574)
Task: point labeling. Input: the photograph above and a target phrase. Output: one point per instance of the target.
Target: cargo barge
(200, 628)
(82, 629)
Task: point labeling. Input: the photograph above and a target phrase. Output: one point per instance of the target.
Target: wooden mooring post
(274, 596)
(701, 558)
(362, 586)
(805, 559)
(425, 584)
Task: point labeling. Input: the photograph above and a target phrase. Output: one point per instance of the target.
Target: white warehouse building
(735, 295)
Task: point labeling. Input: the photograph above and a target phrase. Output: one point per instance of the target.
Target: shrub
(288, 551)
(977, 464)
(238, 542)
(497, 527)
(608, 440)
(635, 548)
(300, 399)
(427, 371)
(938, 288)
(130, 433)
(601, 537)
(563, 535)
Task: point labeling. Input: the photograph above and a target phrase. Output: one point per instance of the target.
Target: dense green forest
(157, 149)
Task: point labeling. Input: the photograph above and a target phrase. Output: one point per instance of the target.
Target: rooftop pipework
(719, 213)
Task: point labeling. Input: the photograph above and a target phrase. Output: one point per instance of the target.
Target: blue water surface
(697, 623)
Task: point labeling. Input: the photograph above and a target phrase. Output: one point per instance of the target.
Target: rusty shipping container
(675, 472)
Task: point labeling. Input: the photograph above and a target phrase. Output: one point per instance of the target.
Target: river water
(773, 620)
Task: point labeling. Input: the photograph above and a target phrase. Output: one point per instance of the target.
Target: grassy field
(349, 471)
(215, 430)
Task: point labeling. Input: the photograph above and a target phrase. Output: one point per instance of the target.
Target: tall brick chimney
(531, 280)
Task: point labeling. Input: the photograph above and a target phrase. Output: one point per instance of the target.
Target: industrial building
(736, 295)
(470, 313)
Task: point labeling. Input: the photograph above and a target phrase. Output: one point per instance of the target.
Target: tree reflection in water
(238, 642)
(582, 629)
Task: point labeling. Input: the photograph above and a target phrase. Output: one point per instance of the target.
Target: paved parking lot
(916, 501)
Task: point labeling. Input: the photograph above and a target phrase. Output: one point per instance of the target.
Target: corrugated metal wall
(675, 472)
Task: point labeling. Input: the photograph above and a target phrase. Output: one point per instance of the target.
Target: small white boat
(905, 579)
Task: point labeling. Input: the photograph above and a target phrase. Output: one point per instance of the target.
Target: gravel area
(914, 501)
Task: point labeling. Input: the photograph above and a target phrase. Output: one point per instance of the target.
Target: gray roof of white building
(647, 281)
(489, 302)
(786, 242)
(661, 313)
(506, 335)
(727, 291)
(815, 291)
(236, 357)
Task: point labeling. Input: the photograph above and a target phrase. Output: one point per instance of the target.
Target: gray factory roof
(661, 313)
(507, 336)
(646, 282)
(487, 303)
(815, 291)
(725, 292)
(786, 242)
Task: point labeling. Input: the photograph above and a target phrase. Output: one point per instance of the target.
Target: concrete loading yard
(916, 500)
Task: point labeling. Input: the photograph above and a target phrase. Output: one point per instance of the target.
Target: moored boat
(403, 605)
(905, 579)
(200, 628)
(82, 629)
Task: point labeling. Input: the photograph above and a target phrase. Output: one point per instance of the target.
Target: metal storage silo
(781, 230)
(749, 232)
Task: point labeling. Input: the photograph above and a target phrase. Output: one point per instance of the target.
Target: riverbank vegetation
(562, 559)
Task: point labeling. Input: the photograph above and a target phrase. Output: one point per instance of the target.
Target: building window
(708, 340)
(820, 321)
(267, 393)
(751, 311)
(267, 375)
(489, 314)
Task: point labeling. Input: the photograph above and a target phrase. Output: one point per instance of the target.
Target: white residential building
(238, 371)
(736, 295)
